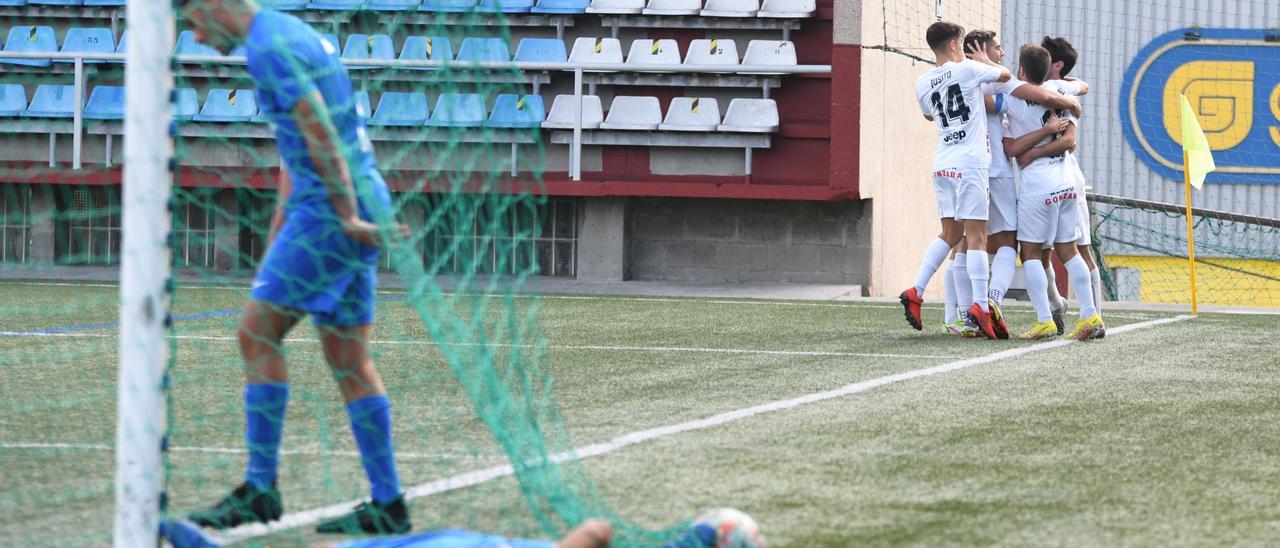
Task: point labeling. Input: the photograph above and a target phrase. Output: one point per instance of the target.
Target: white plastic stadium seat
(731, 8)
(563, 110)
(653, 51)
(596, 50)
(787, 9)
(692, 114)
(673, 7)
(619, 7)
(770, 52)
(633, 113)
(712, 52)
(751, 116)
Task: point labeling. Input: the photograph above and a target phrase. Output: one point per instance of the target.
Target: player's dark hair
(942, 32)
(1060, 50)
(1035, 61)
(979, 39)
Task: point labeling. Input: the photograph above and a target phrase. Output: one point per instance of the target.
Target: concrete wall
(748, 241)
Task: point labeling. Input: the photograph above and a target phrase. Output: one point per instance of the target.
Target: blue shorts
(314, 267)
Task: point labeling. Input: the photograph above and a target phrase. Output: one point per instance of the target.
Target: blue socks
(264, 406)
(371, 424)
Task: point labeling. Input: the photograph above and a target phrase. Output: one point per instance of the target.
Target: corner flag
(1195, 146)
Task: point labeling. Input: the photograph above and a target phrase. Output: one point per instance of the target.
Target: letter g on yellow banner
(1221, 93)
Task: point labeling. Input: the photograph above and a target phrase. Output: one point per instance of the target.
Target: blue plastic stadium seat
(518, 111)
(448, 6)
(561, 6)
(543, 50)
(493, 50)
(400, 109)
(506, 6)
(124, 41)
(56, 2)
(187, 45)
(368, 46)
(7, 3)
(51, 101)
(221, 105)
(93, 40)
(393, 5)
(105, 103)
(459, 110)
(284, 5)
(335, 5)
(30, 39)
(13, 99)
(187, 105)
(105, 2)
(427, 48)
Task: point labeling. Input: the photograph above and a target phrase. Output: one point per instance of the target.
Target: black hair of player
(1035, 61)
(980, 39)
(942, 32)
(1060, 50)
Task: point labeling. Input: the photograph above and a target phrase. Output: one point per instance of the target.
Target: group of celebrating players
(989, 122)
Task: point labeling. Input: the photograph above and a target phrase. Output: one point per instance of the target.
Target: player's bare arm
(979, 54)
(1064, 143)
(284, 186)
(1056, 101)
(1084, 86)
(1014, 148)
(312, 117)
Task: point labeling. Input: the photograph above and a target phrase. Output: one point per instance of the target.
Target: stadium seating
(429, 48)
(770, 52)
(335, 5)
(221, 105)
(124, 41)
(563, 111)
(30, 39)
(400, 109)
(673, 7)
(561, 6)
(187, 45)
(787, 9)
(459, 110)
(596, 50)
(712, 52)
(633, 113)
(52, 101)
(484, 50)
(616, 7)
(541, 50)
(187, 104)
(654, 52)
(55, 2)
(368, 46)
(105, 2)
(506, 6)
(88, 40)
(448, 6)
(284, 5)
(516, 111)
(731, 8)
(692, 114)
(13, 99)
(393, 5)
(13, 3)
(751, 116)
(105, 103)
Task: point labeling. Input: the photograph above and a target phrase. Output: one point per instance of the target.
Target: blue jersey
(448, 538)
(288, 61)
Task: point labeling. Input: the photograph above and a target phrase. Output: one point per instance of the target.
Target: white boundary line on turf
(235, 451)
(605, 348)
(468, 479)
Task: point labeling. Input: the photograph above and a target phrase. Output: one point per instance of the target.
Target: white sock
(964, 287)
(933, 257)
(979, 276)
(949, 313)
(1096, 277)
(1078, 274)
(1036, 283)
(1002, 270)
(1055, 298)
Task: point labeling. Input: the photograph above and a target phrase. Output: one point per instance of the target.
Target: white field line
(605, 348)
(469, 479)
(234, 451)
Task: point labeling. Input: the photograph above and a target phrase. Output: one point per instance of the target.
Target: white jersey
(1047, 174)
(1000, 166)
(1072, 89)
(951, 94)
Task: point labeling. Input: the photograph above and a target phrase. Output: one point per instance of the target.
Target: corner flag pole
(1191, 234)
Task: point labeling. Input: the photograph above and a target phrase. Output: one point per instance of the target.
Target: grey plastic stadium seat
(770, 52)
(712, 52)
(751, 116)
(596, 50)
(563, 110)
(616, 7)
(692, 114)
(731, 8)
(673, 7)
(654, 51)
(633, 113)
(787, 9)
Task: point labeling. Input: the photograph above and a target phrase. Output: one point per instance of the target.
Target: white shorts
(1048, 218)
(1004, 206)
(961, 193)
(1084, 228)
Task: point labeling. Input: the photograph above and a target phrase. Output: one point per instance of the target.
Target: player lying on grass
(323, 249)
(720, 528)
(1046, 199)
(950, 95)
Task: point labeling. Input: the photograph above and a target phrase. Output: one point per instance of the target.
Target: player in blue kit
(321, 260)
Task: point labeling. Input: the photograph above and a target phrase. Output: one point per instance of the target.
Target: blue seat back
(90, 40)
(13, 99)
(518, 111)
(224, 105)
(105, 103)
(55, 2)
(459, 110)
(484, 50)
(393, 5)
(187, 45)
(336, 5)
(506, 6)
(284, 5)
(561, 6)
(105, 2)
(432, 48)
(14, 3)
(448, 6)
(187, 104)
(30, 39)
(548, 50)
(52, 101)
(401, 109)
(368, 46)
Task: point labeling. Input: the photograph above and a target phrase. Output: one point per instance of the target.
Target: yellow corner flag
(1195, 147)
